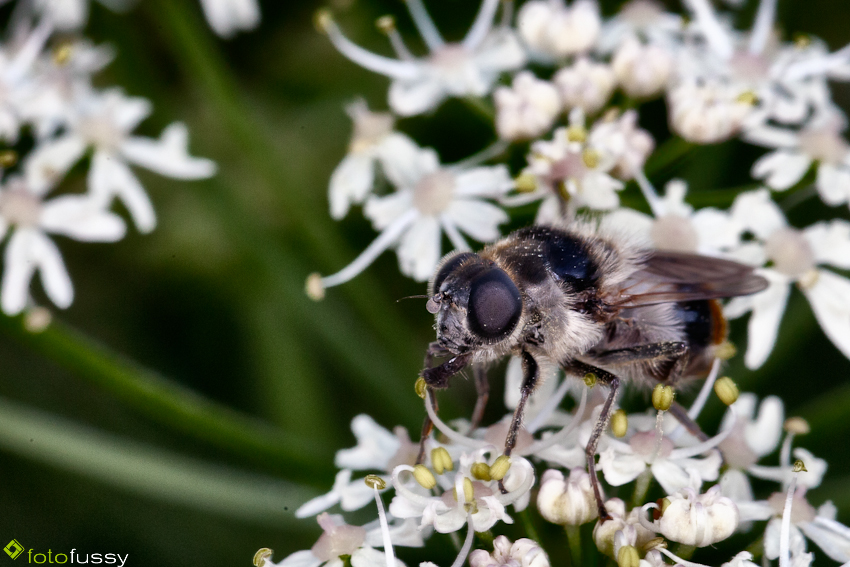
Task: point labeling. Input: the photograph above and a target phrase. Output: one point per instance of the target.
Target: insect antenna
(414, 297)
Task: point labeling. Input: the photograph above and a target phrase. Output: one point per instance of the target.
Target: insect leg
(581, 369)
(482, 386)
(437, 378)
(531, 373)
(681, 415)
(641, 353)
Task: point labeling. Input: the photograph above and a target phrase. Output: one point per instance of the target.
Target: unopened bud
(500, 468)
(314, 287)
(662, 397)
(421, 387)
(322, 19)
(799, 466)
(525, 183)
(481, 471)
(567, 502)
(619, 423)
(385, 24)
(261, 556)
(441, 460)
(797, 426)
(726, 390)
(628, 556)
(424, 477)
(374, 481)
(590, 379)
(698, 519)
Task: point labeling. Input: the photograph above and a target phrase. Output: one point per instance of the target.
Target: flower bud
(642, 70)
(619, 423)
(523, 552)
(604, 532)
(441, 461)
(726, 390)
(500, 468)
(628, 557)
(527, 109)
(568, 502)
(585, 84)
(698, 519)
(662, 397)
(424, 477)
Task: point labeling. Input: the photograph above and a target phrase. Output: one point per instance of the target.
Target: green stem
(149, 471)
(481, 108)
(170, 403)
(685, 551)
(574, 543)
(672, 150)
(641, 488)
(530, 530)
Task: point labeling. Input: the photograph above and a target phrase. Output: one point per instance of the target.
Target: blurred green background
(241, 388)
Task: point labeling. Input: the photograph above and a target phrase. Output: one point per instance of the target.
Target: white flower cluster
(465, 482)
(556, 76)
(47, 95)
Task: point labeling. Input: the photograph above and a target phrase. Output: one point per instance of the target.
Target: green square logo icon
(13, 549)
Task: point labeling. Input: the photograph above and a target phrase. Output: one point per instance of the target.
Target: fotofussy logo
(13, 549)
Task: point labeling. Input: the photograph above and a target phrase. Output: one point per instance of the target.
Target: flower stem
(170, 403)
(644, 481)
(530, 530)
(481, 107)
(685, 551)
(672, 150)
(574, 543)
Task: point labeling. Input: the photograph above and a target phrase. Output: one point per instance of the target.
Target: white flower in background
(644, 20)
(69, 15)
(567, 501)
(527, 109)
(104, 121)
(569, 173)
(674, 468)
(372, 142)
(429, 199)
(461, 494)
(795, 256)
(466, 68)
(695, 519)
(585, 84)
(675, 225)
(377, 448)
(523, 552)
(227, 17)
(604, 533)
(29, 249)
(707, 112)
(642, 70)
(19, 87)
(337, 540)
(622, 138)
(349, 494)
(552, 30)
(819, 142)
(819, 525)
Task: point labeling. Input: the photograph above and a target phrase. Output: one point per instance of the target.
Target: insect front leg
(482, 387)
(581, 369)
(437, 378)
(531, 375)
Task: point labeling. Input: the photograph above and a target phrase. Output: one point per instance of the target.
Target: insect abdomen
(705, 327)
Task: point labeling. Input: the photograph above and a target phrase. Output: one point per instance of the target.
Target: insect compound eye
(448, 265)
(494, 304)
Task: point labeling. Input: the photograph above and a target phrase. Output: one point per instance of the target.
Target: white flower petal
(756, 211)
(772, 535)
(50, 161)
(110, 177)
(375, 446)
(478, 219)
(304, 558)
(169, 155)
(27, 251)
(832, 537)
(483, 182)
(419, 249)
(833, 184)
(384, 210)
(830, 242)
(81, 218)
(768, 307)
(620, 468)
(409, 98)
(226, 17)
(368, 557)
(350, 183)
(830, 301)
(781, 169)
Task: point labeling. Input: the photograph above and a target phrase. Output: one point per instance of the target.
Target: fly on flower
(589, 302)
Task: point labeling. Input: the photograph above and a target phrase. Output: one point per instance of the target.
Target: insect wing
(676, 276)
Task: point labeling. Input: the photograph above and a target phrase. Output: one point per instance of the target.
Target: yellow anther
(563, 191)
(726, 390)
(471, 507)
(619, 423)
(62, 53)
(424, 477)
(725, 350)
(421, 387)
(374, 481)
(468, 490)
(628, 556)
(655, 543)
(481, 471)
(590, 379)
(802, 41)
(323, 19)
(808, 280)
(590, 157)
(500, 468)
(8, 158)
(662, 397)
(441, 460)
(261, 556)
(385, 24)
(663, 504)
(576, 134)
(748, 97)
(37, 319)
(611, 114)
(525, 183)
(797, 426)
(314, 288)
(799, 466)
